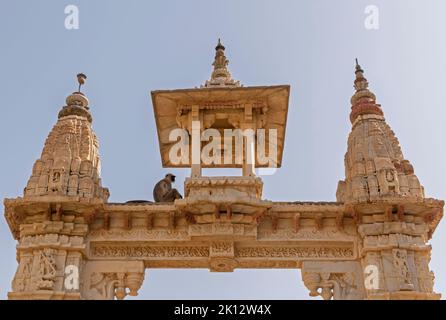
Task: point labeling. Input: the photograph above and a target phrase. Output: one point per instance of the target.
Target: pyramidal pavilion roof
(220, 99)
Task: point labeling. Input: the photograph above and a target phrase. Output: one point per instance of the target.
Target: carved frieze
(222, 249)
(297, 252)
(51, 239)
(139, 234)
(141, 251)
(222, 229)
(304, 234)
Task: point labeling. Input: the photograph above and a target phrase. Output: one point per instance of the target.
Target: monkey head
(170, 177)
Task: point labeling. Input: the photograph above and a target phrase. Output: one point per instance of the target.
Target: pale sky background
(128, 48)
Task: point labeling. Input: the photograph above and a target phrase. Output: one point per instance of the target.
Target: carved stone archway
(113, 244)
(370, 244)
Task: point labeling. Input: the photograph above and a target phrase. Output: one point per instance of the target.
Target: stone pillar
(249, 140)
(196, 142)
(385, 198)
(50, 221)
(50, 256)
(395, 258)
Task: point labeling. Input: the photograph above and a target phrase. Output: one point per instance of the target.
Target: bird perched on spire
(81, 78)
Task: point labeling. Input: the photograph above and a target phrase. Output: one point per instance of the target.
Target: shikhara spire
(70, 163)
(220, 77)
(375, 168)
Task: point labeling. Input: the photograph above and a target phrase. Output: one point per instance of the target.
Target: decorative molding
(141, 251)
(139, 234)
(299, 252)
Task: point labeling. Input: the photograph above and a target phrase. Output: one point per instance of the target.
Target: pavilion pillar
(196, 142)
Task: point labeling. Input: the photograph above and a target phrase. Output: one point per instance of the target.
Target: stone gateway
(372, 243)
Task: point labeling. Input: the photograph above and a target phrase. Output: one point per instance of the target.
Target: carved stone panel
(334, 280)
(105, 280)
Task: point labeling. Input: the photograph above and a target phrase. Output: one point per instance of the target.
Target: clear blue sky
(128, 48)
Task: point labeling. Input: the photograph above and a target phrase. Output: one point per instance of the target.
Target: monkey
(163, 191)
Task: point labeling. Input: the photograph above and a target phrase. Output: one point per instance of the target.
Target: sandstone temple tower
(372, 243)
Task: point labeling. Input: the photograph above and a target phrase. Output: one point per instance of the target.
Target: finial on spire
(81, 78)
(77, 102)
(358, 67)
(360, 81)
(220, 77)
(363, 101)
(219, 45)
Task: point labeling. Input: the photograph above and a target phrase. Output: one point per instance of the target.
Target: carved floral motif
(152, 251)
(295, 252)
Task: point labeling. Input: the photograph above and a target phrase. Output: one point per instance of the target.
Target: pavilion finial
(220, 77)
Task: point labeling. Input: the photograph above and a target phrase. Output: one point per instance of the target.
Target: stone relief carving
(337, 286)
(108, 285)
(303, 234)
(105, 280)
(295, 252)
(149, 251)
(51, 238)
(46, 272)
(23, 277)
(142, 234)
(222, 248)
(333, 280)
(222, 256)
(221, 229)
(102, 286)
(401, 265)
(425, 276)
(219, 248)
